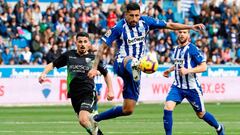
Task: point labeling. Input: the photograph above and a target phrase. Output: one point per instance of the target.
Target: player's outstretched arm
(48, 68)
(108, 80)
(93, 72)
(198, 69)
(179, 26)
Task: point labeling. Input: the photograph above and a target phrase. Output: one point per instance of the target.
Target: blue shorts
(194, 97)
(130, 87)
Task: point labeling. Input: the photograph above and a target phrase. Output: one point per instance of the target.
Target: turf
(147, 120)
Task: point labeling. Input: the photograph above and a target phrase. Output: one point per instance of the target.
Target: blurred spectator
(16, 55)
(111, 19)
(195, 11)
(214, 44)
(6, 56)
(170, 15)
(26, 55)
(53, 53)
(36, 15)
(36, 46)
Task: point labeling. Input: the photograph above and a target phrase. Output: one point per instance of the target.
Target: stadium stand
(30, 30)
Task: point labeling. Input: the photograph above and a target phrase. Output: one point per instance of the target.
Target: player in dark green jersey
(80, 86)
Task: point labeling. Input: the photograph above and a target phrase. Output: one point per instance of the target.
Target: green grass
(147, 120)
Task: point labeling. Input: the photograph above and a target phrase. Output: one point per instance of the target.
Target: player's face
(83, 44)
(183, 36)
(132, 17)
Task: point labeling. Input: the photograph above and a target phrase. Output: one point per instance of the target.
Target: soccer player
(188, 60)
(130, 34)
(80, 86)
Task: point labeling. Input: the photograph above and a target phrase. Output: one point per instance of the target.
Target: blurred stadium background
(34, 33)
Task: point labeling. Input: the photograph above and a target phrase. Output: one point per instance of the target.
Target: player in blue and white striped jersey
(130, 35)
(188, 60)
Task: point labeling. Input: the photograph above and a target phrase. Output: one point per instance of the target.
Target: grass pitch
(147, 120)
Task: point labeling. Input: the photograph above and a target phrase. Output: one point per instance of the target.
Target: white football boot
(135, 69)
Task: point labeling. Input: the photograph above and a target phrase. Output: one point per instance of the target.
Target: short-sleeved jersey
(131, 40)
(78, 67)
(188, 56)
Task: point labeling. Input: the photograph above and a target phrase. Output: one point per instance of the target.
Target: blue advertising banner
(35, 71)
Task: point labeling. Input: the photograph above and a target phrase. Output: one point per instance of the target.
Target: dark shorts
(130, 87)
(85, 102)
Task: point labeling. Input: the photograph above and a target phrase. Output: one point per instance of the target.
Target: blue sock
(209, 118)
(167, 120)
(129, 66)
(109, 114)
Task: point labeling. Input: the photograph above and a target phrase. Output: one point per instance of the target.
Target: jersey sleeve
(102, 69)
(196, 54)
(61, 61)
(154, 23)
(111, 35)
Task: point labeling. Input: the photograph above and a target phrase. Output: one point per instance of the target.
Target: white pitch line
(116, 122)
(129, 132)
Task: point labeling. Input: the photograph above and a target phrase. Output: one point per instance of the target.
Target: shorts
(194, 97)
(85, 102)
(131, 88)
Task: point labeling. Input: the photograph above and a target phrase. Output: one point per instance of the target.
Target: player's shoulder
(90, 55)
(193, 48)
(120, 24)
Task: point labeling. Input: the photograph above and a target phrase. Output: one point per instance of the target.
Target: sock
(129, 66)
(209, 118)
(88, 130)
(109, 114)
(167, 120)
(95, 108)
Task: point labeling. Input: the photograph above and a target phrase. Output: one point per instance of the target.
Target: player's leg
(83, 106)
(195, 98)
(84, 121)
(131, 64)
(174, 97)
(130, 95)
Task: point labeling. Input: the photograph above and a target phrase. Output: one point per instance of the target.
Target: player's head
(83, 42)
(183, 36)
(132, 15)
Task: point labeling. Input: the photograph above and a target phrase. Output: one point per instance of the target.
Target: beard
(183, 41)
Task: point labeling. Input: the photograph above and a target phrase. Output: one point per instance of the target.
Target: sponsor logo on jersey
(72, 57)
(135, 40)
(178, 61)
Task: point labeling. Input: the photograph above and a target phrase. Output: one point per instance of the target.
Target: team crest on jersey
(108, 33)
(87, 60)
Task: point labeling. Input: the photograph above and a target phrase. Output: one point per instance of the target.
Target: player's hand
(42, 78)
(183, 71)
(92, 73)
(166, 73)
(199, 28)
(110, 95)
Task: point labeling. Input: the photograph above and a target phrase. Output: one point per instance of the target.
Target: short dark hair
(82, 34)
(133, 6)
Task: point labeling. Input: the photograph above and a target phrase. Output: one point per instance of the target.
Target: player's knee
(83, 121)
(200, 114)
(169, 107)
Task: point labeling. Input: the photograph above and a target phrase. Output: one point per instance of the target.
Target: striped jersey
(131, 40)
(188, 56)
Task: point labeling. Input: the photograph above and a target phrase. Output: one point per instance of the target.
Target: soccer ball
(148, 64)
